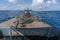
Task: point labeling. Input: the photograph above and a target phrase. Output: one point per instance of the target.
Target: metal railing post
(50, 30)
(10, 34)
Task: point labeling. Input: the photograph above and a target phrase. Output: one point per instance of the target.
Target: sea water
(50, 17)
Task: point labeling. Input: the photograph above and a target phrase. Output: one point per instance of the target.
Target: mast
(27, 10)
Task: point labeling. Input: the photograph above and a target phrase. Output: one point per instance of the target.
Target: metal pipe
(49, 33)
(10, 33)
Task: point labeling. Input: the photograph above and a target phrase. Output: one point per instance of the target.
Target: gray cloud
(12, 1)
(41, 4)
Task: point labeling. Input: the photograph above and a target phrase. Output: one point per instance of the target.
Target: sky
(39, 5)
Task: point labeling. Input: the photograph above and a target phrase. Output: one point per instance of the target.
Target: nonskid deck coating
(10, 23)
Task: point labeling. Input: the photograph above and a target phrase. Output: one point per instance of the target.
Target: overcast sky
(32, 4)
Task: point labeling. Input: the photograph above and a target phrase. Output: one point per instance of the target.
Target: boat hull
(48, 32)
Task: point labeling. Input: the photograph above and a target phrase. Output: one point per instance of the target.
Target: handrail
(49, 33)
(17, 32)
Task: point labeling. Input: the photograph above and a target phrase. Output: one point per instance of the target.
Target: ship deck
(11, 23)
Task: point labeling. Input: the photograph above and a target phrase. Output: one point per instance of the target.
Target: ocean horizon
(50, 17)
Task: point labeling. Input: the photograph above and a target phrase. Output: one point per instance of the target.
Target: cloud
(23, 6)
(20, 6)
(3, 7)
(51, 2)
(35, 2)
(38, 4)
(12, 1)
(41, 4)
